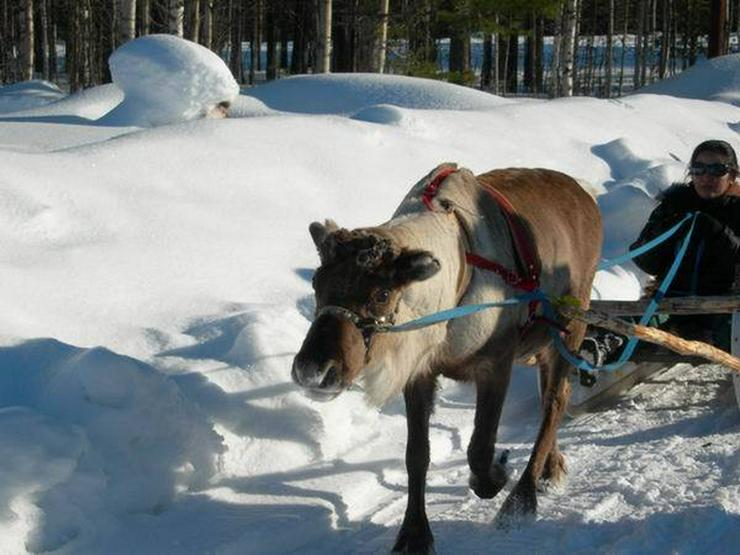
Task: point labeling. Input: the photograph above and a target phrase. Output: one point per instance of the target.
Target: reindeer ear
(414, 265)
(319, 232)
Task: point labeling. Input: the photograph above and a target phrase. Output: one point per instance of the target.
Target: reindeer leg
(486, 477)
(554, 471)
(415, 535)
(522, 500)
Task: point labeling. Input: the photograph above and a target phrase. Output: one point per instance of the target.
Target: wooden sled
(649, 360)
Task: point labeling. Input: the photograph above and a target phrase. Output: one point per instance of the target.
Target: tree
(567, 45)
(126, 21)
(717, 27)
(27, 44)
(175, 17)
(381, 39)
(323, 64)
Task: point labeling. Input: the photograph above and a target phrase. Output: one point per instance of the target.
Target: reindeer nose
(311, 375)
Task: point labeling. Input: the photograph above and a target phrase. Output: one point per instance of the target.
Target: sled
(590, 392)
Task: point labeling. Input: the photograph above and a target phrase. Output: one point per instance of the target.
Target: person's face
(706, 185)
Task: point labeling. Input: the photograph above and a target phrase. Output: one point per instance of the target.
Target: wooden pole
(675, 305)
(651, 335)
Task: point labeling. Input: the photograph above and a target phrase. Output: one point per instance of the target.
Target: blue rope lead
(605, 264)
(466, 310)
(652, 307)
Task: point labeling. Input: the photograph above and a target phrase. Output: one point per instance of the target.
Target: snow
(166, 79)
(156, 285)
(715, 79)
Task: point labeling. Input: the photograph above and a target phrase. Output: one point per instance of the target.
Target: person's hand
(707, 226)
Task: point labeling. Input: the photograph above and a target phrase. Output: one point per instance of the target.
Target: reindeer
(419, 262)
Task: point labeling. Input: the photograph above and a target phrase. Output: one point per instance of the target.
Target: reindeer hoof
(519, 507)
(487, 486)
(554, 471)
(416, 539)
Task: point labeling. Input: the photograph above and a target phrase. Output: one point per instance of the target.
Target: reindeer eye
(381, 296)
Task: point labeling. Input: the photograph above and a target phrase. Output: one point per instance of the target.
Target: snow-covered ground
(156, 285)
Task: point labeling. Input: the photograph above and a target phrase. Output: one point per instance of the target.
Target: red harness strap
(430, 191)
(530, 279)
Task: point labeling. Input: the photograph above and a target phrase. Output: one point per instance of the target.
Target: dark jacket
(709, 265)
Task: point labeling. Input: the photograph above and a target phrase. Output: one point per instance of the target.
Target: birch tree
(194, 20)
(381, 38)
(175, 17)
(126, 20)
(323, 64)
(26, 50)
(570, 15)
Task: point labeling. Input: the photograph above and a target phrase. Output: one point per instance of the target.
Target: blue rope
(466, 310)
(652, 307)
(605, 264)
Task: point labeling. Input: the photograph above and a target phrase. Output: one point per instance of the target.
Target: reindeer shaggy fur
(414, 265)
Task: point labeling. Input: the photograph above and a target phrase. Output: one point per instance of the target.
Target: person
(709, 265)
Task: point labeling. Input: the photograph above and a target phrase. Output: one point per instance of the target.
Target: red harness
(529, 279)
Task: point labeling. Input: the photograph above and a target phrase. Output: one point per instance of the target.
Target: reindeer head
(358, 288)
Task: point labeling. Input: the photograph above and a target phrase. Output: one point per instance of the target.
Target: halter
(368, 326)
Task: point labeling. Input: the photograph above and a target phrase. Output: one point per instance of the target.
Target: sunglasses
(716, 169)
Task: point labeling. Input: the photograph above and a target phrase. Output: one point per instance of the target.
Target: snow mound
(166, 79)
(28, 94)
(715, 79)
(86, 435)
(383, 113)
(87, 105)
(346, 94)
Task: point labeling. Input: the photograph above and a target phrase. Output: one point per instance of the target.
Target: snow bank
(86, 435)
(166, 80)
(348, 93)
(27, 95)
(715, 79)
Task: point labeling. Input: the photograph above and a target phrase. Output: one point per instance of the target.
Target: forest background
(526, 47)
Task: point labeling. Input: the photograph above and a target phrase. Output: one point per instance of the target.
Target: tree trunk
(557, 51)
(609, 55)
(26, 49)
(46, 46)
(176, 17)
(255, 42)
(270, 36)
(459, 51)
(718, 22)
(512, 63)
(126, 21)
(194, 20)
(640, 7)
(324, 46)
(381, 38)
(529, 54)
(51, 31)
(145, 17)
(208, 24)
(342, 39)
(568, 46)
(298, 61)
(539, 55)
(665, 39)
(487, 67)
(235, 42)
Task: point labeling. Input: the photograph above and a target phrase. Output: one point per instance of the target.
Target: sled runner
(593, 390)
